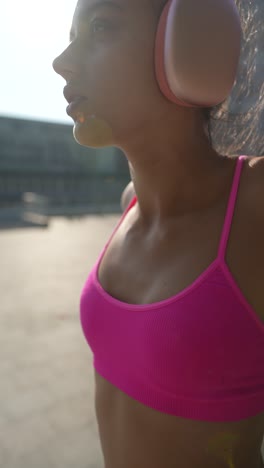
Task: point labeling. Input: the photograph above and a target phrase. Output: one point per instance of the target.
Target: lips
(73, 106)
(70, 93)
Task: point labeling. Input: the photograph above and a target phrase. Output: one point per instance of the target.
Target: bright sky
(32, 34)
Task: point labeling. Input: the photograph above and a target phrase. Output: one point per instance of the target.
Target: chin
(93, 132)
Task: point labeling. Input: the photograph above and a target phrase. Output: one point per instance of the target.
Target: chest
(140, 269)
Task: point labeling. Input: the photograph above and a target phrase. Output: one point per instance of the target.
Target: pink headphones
(197, 51)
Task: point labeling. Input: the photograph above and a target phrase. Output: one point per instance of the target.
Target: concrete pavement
(47, 416)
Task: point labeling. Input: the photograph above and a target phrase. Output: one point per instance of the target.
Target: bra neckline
(217, 262)
(153, 305)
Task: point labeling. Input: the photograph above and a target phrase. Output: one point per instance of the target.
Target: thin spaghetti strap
(230, 208)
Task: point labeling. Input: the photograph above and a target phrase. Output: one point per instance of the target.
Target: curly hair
(236, 125)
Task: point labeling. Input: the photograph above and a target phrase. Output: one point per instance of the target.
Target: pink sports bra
(197, 355)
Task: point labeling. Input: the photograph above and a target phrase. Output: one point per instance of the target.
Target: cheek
(123, 77)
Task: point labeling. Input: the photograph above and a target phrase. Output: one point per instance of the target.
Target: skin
(177, 171)
(222, 445)
(174, 169)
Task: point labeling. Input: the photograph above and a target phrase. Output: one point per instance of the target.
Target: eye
(97, 25)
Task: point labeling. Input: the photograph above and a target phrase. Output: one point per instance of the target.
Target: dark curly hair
(236, 125)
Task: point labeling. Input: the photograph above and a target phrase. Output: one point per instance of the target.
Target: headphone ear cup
(160, 58)
(197, 51)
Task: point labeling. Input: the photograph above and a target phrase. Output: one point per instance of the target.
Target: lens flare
(222, 445)
(91, 131)
(80, 117)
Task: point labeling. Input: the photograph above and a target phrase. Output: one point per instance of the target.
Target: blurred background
(59, 202)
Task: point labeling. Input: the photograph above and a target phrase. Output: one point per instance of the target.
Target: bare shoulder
(127, 195)
(255, 170)
(251, 274)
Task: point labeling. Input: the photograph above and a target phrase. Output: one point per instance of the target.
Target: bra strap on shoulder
(230, 208)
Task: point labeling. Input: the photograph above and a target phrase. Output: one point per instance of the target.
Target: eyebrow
(86, 11)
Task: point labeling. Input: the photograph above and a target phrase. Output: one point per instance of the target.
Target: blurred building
(43, 158)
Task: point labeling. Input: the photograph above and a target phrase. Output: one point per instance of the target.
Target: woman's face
(110, 61)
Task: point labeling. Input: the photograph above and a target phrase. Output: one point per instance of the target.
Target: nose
(64, 65)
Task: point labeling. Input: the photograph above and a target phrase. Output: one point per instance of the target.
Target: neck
(177, 171)
(174, 191)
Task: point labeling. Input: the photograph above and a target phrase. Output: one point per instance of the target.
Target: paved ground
(47, 416)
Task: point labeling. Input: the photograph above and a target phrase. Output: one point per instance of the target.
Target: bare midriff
(133, 435)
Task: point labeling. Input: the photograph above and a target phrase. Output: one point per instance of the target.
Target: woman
(173, 308)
